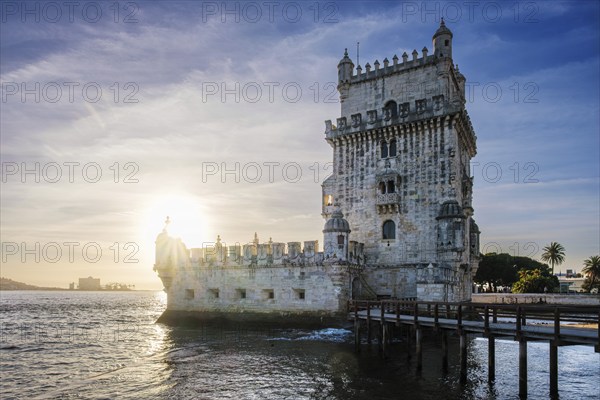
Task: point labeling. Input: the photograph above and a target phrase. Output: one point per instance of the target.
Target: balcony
(388, 203)
(388, 198)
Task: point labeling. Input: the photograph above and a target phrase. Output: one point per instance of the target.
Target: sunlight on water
(100, 345)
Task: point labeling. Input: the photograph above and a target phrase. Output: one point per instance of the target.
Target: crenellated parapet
(252, 255)
(395, 67)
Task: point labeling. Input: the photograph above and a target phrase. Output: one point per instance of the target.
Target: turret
(335, 235)
(442, 41)
(461, 82)
(451, 227)
(345, 69)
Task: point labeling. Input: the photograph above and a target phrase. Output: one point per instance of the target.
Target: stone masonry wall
(249, 289)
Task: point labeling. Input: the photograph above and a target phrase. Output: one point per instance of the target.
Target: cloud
(173, 57)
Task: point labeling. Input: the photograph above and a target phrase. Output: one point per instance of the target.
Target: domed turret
(345, 70)
(337, 223)
(442, 41)
(451, 209)
(335, 235)
(451, 227)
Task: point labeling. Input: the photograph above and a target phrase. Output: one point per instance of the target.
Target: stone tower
(401, 152)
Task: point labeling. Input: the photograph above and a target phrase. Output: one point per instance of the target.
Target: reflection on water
(96, 345)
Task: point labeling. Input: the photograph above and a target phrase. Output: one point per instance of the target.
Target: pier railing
(532, 321)
(559, 325)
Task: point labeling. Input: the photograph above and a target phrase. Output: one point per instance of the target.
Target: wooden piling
(368, 323)
(384, 339)
(357, 335)
(491, 359)
(553, 369)
(419, 347)
(463, 358)
(444, 351)
(522, 368)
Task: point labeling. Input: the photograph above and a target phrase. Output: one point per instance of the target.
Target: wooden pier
(555, 324)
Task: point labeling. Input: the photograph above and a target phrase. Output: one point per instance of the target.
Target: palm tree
(592, 267)
(555, 253)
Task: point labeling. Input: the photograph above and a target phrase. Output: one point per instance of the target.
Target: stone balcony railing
(388, 198)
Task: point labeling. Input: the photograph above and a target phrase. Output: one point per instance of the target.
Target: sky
(115, 115)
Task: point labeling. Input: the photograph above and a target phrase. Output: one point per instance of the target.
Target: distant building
(570, 284)
(89, 283)
(570, 273)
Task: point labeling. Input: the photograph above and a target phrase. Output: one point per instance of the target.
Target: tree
(592, 270)
(534, 281)
(554, 253)
(495, 270)
(502, 269)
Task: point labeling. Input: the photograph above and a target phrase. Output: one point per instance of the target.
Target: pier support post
(491, 359)
(357, 335)
(419, 347)
(444, 351)
(380, 337)
(553, 370)
(384, 339)
(463, 358)
(522, 368)
(368, 322)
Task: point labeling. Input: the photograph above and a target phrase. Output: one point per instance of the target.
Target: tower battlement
(425, 86)
(396, 66)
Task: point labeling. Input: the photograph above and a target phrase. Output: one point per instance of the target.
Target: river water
(106, 345)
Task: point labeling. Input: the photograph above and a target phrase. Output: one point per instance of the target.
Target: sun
(187, 218)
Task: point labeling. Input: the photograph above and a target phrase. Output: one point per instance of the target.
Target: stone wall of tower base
(318, 290)
(251, 320)
(392, 282)
(402, 282)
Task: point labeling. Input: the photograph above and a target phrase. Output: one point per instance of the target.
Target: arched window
(393, 148)
(391, 109)
(391, 187)
(384, 149)
(382, 187)
(389, 230)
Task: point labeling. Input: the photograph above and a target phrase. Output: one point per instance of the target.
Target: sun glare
(187, 218)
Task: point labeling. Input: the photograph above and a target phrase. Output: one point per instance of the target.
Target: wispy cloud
(176, 128)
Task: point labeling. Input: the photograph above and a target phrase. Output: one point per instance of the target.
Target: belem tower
(398, 206)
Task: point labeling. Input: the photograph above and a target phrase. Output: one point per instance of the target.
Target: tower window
(446, 42)
(328, 200)
(341, 240)
(389, 230)
(393, 148)
(300, 294)
(391, 187)
(384, 149)
(390, 110)
(382, 188)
